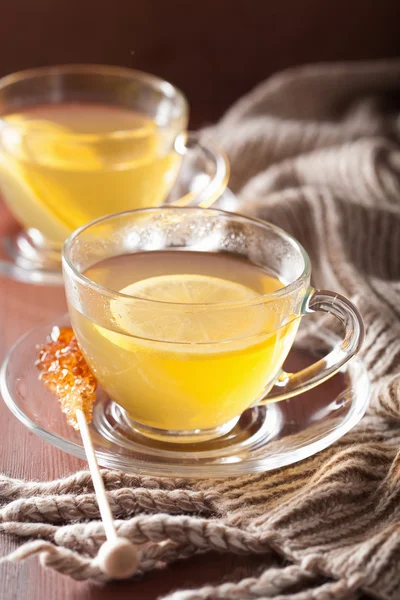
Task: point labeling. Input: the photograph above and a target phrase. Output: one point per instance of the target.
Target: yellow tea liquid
(192, 367)
(63, 165)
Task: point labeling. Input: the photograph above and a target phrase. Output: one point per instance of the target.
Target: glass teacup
(78, 142)
(186, 316)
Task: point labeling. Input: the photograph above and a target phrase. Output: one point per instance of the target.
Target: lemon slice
(211, 320)
(190, 289)
(32, 211)
(57, 145)
(47, 142)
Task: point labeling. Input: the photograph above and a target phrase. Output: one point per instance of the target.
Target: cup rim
(69, 267)
(166, 88)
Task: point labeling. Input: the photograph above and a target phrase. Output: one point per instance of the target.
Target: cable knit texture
(316, 151)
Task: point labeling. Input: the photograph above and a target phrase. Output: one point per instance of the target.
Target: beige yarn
(316, 151)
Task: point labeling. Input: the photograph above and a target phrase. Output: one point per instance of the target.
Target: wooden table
(24, 455)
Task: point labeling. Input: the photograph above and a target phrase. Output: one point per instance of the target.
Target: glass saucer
(264, 438)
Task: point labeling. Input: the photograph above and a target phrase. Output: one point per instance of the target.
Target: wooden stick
(117, 557)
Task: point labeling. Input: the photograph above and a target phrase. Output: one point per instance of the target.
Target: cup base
(193, 436)
(25, 257)
(114, 424)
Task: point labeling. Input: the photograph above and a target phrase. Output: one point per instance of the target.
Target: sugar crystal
(66, 374)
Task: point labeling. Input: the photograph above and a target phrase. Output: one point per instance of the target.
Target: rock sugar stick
(66, 374)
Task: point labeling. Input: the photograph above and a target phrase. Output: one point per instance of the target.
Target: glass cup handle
(214, 155)
(291, 384)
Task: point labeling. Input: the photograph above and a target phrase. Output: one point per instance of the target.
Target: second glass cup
(78, 142)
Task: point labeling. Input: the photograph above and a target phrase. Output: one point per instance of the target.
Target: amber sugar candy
(66, 374)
